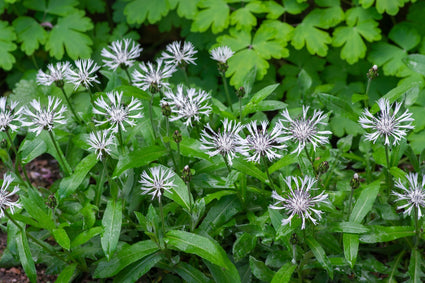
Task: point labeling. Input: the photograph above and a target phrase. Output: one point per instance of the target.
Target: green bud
(177, 136)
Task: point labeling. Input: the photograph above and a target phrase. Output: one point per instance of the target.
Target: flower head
(8, 116)
(179, 54)
(5, 200)
(304, 130)
(152, 76)
(299, 200)
(221, 54)
(225, 143)
(42, 117)
(188, 104)
(414, 194)
(122, 54)
(101, 142)
(55, 75)
(84, 75)
(387, 124)
(261, 143)
(115, 112)
(157, 181)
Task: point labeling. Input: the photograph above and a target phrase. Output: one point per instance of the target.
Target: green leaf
(25, 256)
(243, 246)
(320, 255)
(126, 256)
(284, 274)
(69, 33)
(390, 58)
(416, 62)
(30, 33)
(394, 267)
(31, 149)
(379, 234)
(137, 158)
(348, 227)
(415, 267)
(66, 274)
(390, 7)
(138, 11)
(203, 247)
(351, 248)
(249, 169)
(179, 193)
(37, 208)
(243, 18)
(190, 147)
(350, 38)
(111, 223)
(260, 270)
(186, 8)
(242, 62)
(190, 273)
(284, 161)
(62, 238)
(337, 103)
(252, 105)
(85, 236)
(136, 270)
(364, 202)
(60, 8)
(69, 185)
(7, 36)
(405, 35)
(214, 14)
(223, 275)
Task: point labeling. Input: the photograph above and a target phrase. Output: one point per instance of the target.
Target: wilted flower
(261, 143)
(221, 54)
(44, 118)
(188, 106)
(152, 77)
(179, 55)
(8, 116)
(225, 143)
(55, 75)
(414, 194)
(115, 112)
(304, 130)
(101, 142)
(85, 73)
(5, 200)
(122, 54)
(299, 200)
(158, 181)
(387, 124)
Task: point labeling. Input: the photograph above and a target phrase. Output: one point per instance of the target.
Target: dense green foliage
(288, 54)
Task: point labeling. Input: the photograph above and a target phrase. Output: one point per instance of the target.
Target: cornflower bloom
(84, 75)
(261, 143)
(44, 118)
(226, 143)
(387, 124)
(56, 74)
(157, 181)
(152, 76)
(115, 112)
(122, 53)
(179, 55)
(5, 196)
(221, 54)
(188, 106)
(8, 116)
(299, 200)
(413, 194)
(304, 130)
(101, 142)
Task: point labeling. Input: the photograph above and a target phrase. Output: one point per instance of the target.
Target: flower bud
(187, 174)
(323, 167)
(240, 92)
(166, 109)
(355, 181)
(177, 136)
(373, 72)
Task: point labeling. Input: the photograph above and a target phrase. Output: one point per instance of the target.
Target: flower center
(45, 119)
(260, 143)
(417, 197)
(301, 201)
(302, 130)
(385, 125)
(5, 120)
(118, 114)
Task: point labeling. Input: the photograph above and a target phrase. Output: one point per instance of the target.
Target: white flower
(299, 200)
(84, 75)
(304, 130)
(261, 143)
(387, 124)
(8, 116)
(122, 54)
(221, 54)
(225, 143)
(115, 112)
(101, 142)
(56, 74)
(188, 106)
(179, 55)
(414, 194)
(44, 118)
(158, 181)
(5, 200)
(152, 77)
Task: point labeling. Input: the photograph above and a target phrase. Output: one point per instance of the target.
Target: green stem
(128, 75)
(120, 139)
(388, 176)
(18, 162)
(265, 164)
(240, 110)
(190, 197)
(161, 211)
(417, 228)
(226, 90)
(167, 126)
(350, 203)
(311, 160)
(151, 117)
(186, 78)
(60, 154)
(178, 157)
(366, 100)
(77, 118)
(99, 187)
